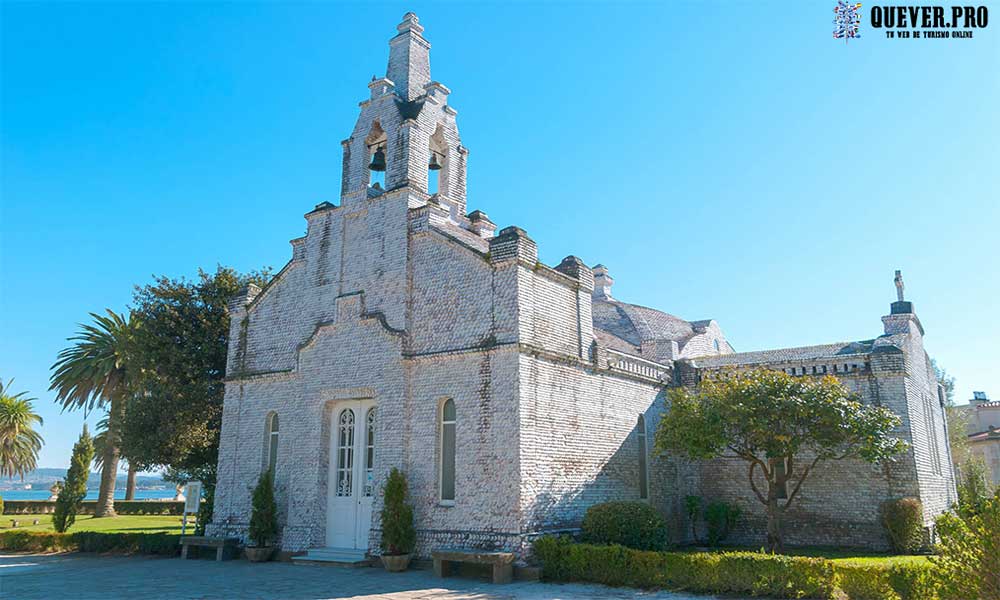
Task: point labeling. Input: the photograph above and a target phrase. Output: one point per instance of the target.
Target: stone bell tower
(406, 133)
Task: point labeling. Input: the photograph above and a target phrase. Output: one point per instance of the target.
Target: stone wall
(839, 503)
(579, 444)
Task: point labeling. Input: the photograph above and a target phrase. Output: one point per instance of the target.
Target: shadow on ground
(89, 576)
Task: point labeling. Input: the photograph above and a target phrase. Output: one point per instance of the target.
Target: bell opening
(376, 169)
(437, 153)
(376, 144)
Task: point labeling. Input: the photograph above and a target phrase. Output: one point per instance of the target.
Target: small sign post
(192, 502)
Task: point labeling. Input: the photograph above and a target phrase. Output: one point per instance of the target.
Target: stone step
(348, 557)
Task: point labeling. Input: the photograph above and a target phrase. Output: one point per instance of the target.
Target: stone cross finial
(899, 285)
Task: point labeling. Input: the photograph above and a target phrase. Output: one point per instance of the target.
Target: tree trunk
(106, 497)
(130, 485)
(776, 492)
(774, 541)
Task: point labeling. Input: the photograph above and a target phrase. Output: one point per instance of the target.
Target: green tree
(180, 349)
(19, 442)
(968, 555)
(974, 488)
(264, 512)
(782, 426)
(946, 381)
(94, 373)
(74, 489)
(958, 420)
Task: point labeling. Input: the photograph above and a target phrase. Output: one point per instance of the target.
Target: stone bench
(502, 562)
(201, 541)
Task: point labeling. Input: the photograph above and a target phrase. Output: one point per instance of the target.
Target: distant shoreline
(91, 494)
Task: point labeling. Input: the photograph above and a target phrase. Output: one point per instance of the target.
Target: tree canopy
(782, 426)
(19, 442)
(175, 413)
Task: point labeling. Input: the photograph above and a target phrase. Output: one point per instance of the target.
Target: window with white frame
(370, 453)
(448, 451)
(345, 452)
(271, 442)
(643, 453)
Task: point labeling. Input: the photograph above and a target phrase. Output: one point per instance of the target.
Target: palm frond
(19, 442)
(94, 368)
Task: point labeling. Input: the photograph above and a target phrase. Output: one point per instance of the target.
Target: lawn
(120, 524)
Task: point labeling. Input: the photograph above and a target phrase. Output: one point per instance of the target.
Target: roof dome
(635, 324)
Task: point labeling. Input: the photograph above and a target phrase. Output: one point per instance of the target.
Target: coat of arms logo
(847, 20)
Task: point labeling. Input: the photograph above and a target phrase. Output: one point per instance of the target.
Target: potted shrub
(263, 520)
(398, 534)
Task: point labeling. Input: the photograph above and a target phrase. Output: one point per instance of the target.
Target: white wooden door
(352, 461)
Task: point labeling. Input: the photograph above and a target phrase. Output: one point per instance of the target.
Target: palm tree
(19, 442)
(93, 372)
(99, 447)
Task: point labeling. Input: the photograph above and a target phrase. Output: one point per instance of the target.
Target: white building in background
(984, 432)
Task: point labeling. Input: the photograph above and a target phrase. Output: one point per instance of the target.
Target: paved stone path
(88, 576)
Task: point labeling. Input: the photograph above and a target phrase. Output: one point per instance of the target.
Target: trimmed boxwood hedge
(747, 573)
(90, 541)
(122, 507)
(721, 573)
(902, 581)
(632, 524)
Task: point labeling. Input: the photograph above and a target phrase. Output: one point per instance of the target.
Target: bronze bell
(378, 160)
(434, 164)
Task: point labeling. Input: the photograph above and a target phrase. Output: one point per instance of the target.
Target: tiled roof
(635, 324)
(842, 349)
(610, 340)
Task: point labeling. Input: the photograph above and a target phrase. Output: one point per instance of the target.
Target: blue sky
(724, 160)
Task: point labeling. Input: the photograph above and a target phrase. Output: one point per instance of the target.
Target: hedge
(632, 524)
(903, 521)
(747, 573)
(901, 581)
(751, 573)
(122, 507)
(90, 541)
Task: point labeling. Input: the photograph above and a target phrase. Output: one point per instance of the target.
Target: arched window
(370, 452)
(271, 442)
(640, 427)
(345, 452)
(448, 451)
(715, 343)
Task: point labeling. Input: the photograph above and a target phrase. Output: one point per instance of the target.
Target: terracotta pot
(395, 562)
(259, 554)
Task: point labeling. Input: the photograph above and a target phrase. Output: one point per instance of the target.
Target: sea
(163, 494)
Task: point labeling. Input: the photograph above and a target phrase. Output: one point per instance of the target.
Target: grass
(120, 524)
